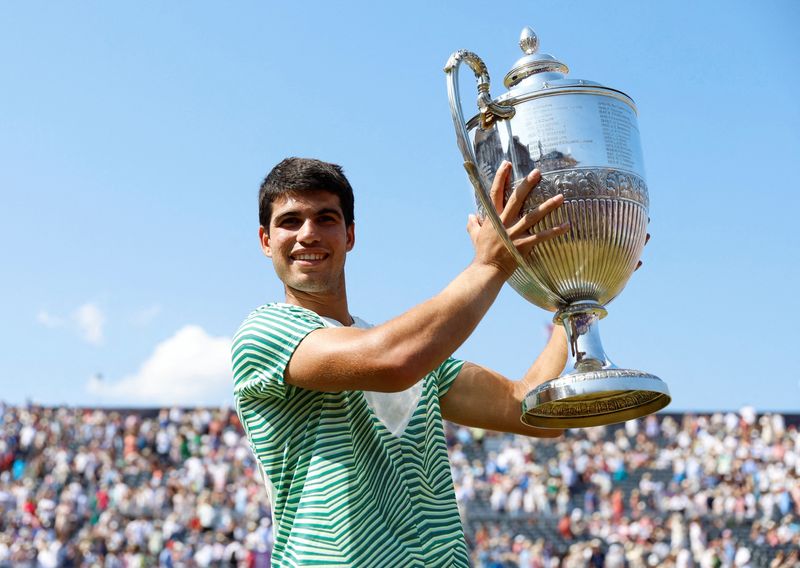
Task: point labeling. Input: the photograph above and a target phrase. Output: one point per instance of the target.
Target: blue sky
(133, 138)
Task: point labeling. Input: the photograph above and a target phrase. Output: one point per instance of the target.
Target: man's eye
(327, 219)
(288, 222)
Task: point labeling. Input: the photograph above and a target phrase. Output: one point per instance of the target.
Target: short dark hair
(298, 175)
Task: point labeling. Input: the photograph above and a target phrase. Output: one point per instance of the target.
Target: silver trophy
(584, 139)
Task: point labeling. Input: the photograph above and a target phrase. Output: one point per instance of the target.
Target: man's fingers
(499, 185)
(524, 245)
(519, 195)
(473, 226)
(532, 217)
(646, 240)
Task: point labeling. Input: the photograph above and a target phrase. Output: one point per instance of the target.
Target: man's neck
(333, 306)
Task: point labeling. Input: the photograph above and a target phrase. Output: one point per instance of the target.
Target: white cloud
(146, 315)
(49, 320)
(189, 368)
(90, 320)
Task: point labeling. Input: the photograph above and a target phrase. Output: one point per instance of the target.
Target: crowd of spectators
(706, 491)
(113, 489)
(171, 487)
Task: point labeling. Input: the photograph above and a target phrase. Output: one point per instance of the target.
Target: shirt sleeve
(263, 346)
(446, 374)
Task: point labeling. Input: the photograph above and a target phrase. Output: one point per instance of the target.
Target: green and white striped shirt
(345, 491)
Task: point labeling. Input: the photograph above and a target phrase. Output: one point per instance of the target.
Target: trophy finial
(528, 41)
(532, 62)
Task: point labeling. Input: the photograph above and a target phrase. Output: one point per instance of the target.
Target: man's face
(308, 240)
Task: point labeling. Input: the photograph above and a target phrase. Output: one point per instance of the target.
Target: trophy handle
(490, 111)
(523, 276)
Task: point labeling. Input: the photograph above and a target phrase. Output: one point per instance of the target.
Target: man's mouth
(309, 256)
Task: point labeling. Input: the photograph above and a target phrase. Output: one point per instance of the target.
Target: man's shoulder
(278, 319)
(277, 313)
(263, 345)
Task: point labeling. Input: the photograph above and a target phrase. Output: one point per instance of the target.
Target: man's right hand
(489, 247)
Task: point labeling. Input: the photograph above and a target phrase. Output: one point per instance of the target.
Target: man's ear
(351, 236)
(263, 237)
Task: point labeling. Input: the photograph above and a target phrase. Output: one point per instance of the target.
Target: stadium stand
(179, 487)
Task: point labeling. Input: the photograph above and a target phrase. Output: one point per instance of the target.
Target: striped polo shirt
(345, 491)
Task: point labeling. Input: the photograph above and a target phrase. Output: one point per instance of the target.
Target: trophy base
(594, 398)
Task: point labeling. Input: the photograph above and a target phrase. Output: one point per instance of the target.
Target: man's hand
(489, 247)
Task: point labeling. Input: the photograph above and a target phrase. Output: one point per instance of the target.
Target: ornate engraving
(588, 183)
(590, 408)
(600, 374)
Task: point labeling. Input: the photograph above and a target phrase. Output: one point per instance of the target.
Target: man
(346, 419)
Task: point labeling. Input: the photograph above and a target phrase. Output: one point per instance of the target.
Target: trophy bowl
(584, 139)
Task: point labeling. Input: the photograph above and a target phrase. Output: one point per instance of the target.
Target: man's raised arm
(395, 355)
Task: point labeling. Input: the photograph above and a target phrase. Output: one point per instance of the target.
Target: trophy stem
(592, 391)
(581, 322)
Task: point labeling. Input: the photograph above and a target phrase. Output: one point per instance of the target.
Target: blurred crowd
(171, 487)
(111, 489)
(705, 491)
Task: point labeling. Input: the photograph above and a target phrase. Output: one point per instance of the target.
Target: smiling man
(345, 419)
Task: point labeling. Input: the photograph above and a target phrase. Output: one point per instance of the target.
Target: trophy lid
(533, 63)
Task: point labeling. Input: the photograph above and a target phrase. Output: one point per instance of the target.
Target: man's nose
(308, 232)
